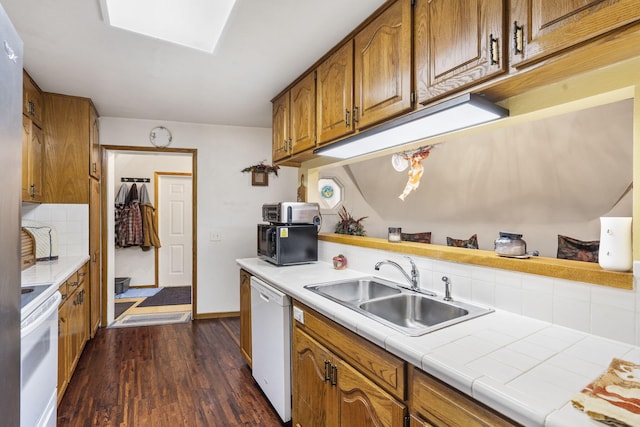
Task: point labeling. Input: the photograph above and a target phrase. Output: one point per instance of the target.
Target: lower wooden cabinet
(245, 315)
(434, 403)
(328, 390)
(73, 326)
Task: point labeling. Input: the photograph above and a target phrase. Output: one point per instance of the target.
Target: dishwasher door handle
(264, 297)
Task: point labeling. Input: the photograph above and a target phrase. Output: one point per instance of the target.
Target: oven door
(266, 242)
(39, 364)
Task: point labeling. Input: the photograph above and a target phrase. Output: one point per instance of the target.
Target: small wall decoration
(260, 173)
(331, 193)
(414, 159)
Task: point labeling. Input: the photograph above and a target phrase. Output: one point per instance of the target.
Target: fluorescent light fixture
(454, 114)
(196, 24)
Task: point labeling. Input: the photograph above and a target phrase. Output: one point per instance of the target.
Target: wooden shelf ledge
(588, 272)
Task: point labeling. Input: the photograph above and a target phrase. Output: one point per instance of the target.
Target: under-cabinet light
(454, 114)
(196, 24)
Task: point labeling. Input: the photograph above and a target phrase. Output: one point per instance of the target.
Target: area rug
(151, 319)
(121, 307)
(175, 295)
(138, 293)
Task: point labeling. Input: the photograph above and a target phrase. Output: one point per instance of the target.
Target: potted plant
(349, 225)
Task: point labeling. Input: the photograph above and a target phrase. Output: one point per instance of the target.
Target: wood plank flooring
(171, 375)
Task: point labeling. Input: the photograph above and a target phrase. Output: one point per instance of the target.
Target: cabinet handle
(94, 167)
(518, 38)
(493, 50)
(32, 108)
(327, 373)
(32, 190)
(347, 118)
(290, 145)
(356, 115)
(334, 375)
(94, 257)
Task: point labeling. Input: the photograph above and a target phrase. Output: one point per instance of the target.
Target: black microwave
(288, 244)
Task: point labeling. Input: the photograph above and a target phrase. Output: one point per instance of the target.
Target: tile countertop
(53, 271)
(524, 368)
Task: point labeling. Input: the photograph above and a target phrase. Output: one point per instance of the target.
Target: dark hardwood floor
(189, 374)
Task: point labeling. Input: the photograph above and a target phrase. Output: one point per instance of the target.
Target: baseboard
(200, 316)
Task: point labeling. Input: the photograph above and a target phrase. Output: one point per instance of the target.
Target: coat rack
(135, 180)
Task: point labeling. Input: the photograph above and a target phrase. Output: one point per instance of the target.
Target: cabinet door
(245, 316)
(542, 28)
(362, 403)
(311, 387)
(457, 43)
(280, 128)
(32, 158)
(382, 70)
(66, 161)
(95, 253)
(95, 161)
(334, 101)
(64, 362)
(33, 100)
(303, 114)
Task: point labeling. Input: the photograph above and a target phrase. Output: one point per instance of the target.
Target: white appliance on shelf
(39, 355)
(271, 345)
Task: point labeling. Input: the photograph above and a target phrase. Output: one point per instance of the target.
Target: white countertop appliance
(271, 345)
(291, 213)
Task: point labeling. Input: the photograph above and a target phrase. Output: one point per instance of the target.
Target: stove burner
(26, 290)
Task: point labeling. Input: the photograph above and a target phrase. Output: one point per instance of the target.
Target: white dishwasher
(271, 345)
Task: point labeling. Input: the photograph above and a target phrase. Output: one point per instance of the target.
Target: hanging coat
(132, 219)
(149, 227)
(120, 204)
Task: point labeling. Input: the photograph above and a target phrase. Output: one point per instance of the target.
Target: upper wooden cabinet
(334, 102)
(382, 66)
(95, 160)
(368, 79)
(33, 100)
(68, 143)
(457, 43)
(32, 158)
(542, 28)
(294, 114)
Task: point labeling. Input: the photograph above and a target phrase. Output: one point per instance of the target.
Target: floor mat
(130, 320)
(176, 295)
(121, 307)
(138, 293)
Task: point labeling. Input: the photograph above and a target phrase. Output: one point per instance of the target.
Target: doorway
(144, 268)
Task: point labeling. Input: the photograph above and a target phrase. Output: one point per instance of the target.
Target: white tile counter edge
(56, 271)
(525, 368)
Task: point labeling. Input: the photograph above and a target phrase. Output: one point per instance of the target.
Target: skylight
(197, 24)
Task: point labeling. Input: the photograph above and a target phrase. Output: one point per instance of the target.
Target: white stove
(39, 355)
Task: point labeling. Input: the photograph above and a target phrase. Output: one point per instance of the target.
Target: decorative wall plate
(331, 193)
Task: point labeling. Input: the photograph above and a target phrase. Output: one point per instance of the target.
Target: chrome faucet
(414, 279)
(447, 288)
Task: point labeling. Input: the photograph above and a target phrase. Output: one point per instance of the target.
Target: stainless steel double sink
(407, 311)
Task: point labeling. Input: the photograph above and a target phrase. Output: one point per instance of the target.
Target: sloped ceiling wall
(543, 178)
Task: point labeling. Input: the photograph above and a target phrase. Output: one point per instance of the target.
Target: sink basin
(355, 291)
(392, 304)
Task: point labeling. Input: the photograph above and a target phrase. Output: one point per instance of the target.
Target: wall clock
(160, 136)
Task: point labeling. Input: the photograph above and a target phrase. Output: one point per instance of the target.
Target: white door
(174, 228)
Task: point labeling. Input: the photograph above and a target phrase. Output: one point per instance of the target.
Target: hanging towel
(120, 203)
(149, 227)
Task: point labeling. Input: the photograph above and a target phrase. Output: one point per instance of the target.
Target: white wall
(227, 203)
(133, 262)
(71, 222)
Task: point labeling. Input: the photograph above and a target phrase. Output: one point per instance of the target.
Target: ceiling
(265, 45)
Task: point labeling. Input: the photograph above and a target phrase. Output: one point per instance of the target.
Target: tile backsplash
(71, 222)
(599, 310)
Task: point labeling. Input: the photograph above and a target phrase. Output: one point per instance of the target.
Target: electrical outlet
(215, 236)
